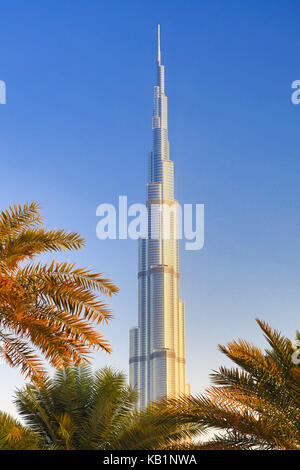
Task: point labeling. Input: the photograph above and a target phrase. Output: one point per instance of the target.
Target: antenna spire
(158, 44)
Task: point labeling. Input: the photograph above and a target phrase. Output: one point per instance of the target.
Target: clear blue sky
(76, 130)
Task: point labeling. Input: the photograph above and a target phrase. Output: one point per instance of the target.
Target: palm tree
(255, 406)
(46, 309)
(82, 409)
(14, 436)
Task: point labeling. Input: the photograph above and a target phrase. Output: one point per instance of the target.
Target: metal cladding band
(159, 269)
(160, 202)
(157, 349)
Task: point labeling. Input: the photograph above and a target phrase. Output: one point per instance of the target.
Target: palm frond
(17, 218)
(14, 436)
(47, 309)
(82, 409)
(256, 405)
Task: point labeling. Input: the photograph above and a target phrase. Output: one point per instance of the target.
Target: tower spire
(158, 44)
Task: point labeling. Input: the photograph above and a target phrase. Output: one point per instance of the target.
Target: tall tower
(157, 350)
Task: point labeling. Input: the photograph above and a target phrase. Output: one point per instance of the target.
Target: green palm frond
(14, 436)
(82, 409)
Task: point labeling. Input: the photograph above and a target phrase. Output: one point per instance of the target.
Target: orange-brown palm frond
(50, 307)
(18, 218)
(257, 404)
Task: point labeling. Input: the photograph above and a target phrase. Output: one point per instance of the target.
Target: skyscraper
(157, 350)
